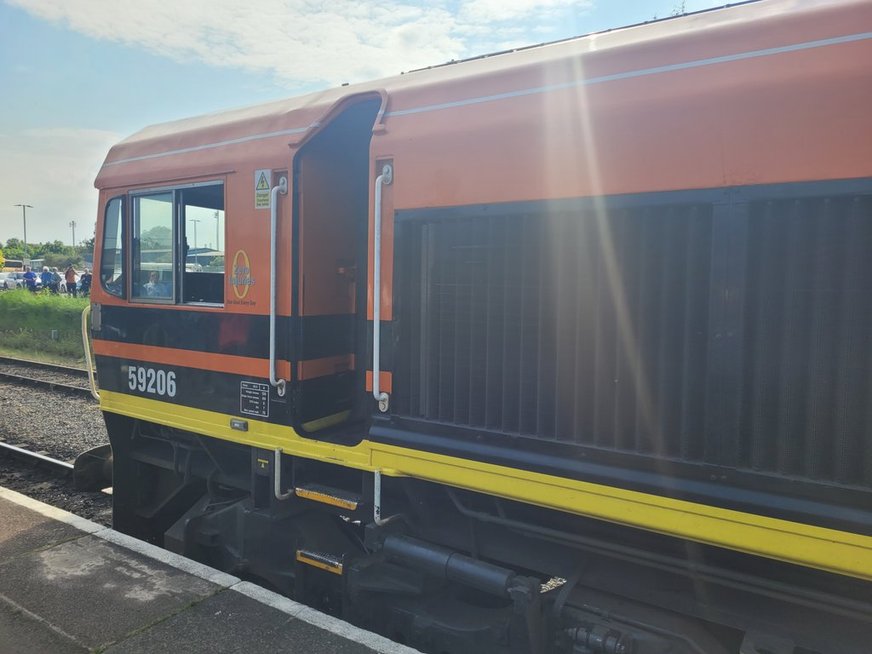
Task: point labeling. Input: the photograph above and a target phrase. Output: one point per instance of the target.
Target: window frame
(145, 299)
(178, 242)
(122, 225)
(181, 222)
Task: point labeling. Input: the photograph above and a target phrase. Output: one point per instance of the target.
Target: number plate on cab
(153, 381)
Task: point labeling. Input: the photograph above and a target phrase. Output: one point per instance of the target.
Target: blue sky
(79, 75)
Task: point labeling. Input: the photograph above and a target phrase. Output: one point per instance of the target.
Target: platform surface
(70, 585)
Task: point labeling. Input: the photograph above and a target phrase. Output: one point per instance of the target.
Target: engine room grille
(806, 403)
(734, 334)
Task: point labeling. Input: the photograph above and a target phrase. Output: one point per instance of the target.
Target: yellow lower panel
(259, 434)
(817, 547)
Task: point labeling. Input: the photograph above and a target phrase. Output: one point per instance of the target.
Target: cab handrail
(381, 397)
(281, 187)
(86, 344)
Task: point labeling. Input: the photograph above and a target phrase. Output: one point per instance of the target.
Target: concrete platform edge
(164, 556)
(262, 595)
(51, 512)
(322, 620)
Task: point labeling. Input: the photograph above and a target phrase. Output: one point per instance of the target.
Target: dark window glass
(112, 255)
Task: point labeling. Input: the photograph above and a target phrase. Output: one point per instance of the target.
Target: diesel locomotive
(563, 349)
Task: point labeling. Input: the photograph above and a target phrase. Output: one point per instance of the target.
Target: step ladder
(321, 560)
(332, 496)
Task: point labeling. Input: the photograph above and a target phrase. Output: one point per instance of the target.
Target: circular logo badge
(241, 279)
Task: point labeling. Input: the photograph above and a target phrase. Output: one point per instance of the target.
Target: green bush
(27, 321)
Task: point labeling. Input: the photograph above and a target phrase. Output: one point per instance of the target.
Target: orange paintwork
(753, 94)
(324, 366)
(385, 381)
(190, 359)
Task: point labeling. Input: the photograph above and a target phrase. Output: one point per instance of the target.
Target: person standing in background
(30, 279)
(85, 283)
(46, 279)
(70, 277)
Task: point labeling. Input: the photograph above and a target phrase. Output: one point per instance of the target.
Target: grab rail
(86, 343)
(277, 477)
(383, 399)
(281, 187)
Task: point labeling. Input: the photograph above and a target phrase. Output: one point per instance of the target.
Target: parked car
(16, 280)
(11, 280)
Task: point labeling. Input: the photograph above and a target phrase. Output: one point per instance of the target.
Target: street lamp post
(24, 208)
(195, 221)
(73, 227)
(216, 231)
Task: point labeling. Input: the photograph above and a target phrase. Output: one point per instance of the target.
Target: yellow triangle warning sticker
(262, 183)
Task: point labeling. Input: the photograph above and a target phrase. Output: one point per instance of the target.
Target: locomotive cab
(200, 274)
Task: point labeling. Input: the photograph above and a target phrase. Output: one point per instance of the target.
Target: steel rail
(39, 365)
(54, 387)
(20, 453)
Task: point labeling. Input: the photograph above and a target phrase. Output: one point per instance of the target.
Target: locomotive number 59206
(149, 380)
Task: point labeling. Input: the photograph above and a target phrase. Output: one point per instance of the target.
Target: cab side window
(202, 223)
(112, 251)
(153, 251)
(176, 245)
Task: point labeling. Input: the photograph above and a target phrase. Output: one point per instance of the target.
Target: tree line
(53, 253)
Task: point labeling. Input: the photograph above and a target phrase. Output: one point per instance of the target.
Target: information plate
(254, 399)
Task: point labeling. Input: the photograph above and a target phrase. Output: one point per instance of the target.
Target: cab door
(331, 200)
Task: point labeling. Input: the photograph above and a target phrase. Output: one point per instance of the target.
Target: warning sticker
(262, 184)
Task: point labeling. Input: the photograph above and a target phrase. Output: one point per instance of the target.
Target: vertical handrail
(281, 187)
(377, 501)
(376, 497)
(277, 477)
(381, 397)
(86, 344)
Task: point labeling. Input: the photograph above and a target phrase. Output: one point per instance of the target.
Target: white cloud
(300, 42)
(480, 12)
(53, 170)
(303, 41)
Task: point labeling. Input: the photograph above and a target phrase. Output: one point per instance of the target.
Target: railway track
(56, 482)
(49, 419)
(56, 378)
(91, 471)
(56, 466)
(63, 379)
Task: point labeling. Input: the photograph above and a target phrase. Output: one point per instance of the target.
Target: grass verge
(42, 327)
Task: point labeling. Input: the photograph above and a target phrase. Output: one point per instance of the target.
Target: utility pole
(216, 232)
(24, 208)
(73, 227)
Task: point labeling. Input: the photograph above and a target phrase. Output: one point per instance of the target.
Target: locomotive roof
(647, 44)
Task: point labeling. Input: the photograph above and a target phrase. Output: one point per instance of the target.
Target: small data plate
(254, 399)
